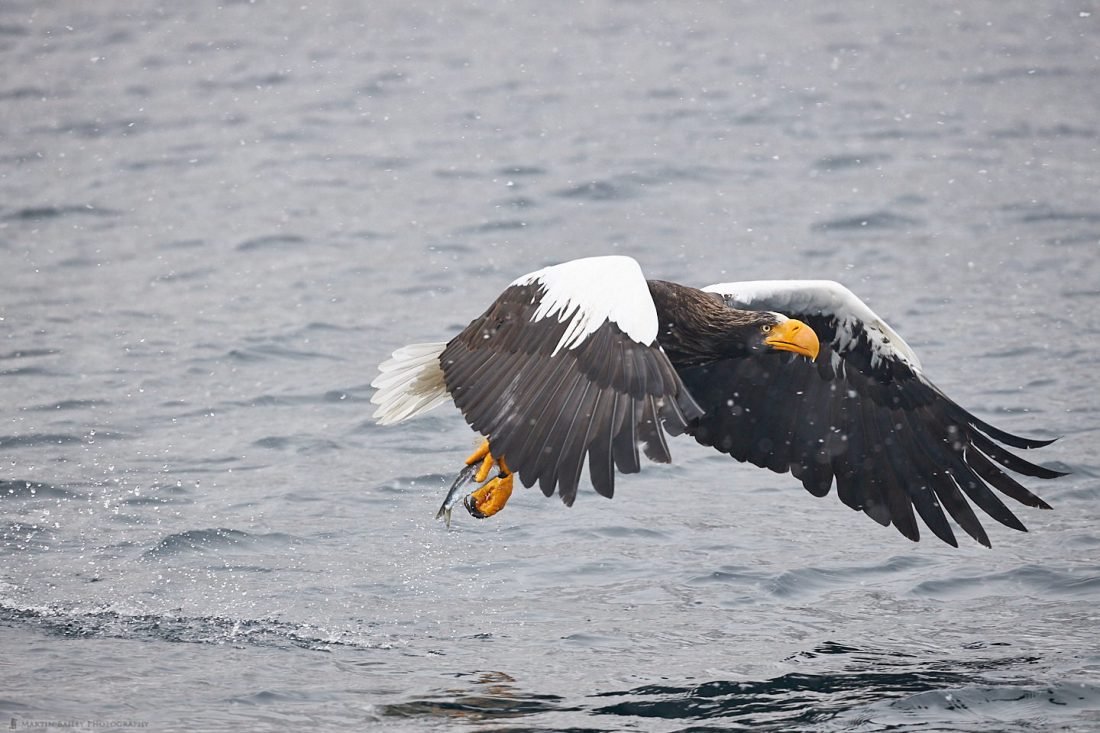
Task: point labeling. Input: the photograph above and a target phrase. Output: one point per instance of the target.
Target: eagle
(588, 361)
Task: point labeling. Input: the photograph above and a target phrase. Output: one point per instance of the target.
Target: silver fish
(465, 476)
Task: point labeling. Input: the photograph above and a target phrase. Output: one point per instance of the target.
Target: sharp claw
(491, 494)
(471, 507)
(490, 498)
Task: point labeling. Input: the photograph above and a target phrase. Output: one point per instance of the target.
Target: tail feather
(409, 383)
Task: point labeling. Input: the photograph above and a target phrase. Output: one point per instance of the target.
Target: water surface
(215, 220)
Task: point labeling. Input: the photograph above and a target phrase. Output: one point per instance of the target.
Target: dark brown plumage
(587, 361)
(696, 327)
(604, 397)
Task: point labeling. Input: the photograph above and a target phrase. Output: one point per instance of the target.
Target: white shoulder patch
(409, 383)
(592, 290)
(822, 298)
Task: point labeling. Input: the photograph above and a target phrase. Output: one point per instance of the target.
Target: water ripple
(20, 489)
(36, 213)
(851, 160)
(219, 538)
(108, 623)
(271, 241)
(875, 220)
(1046, 582)
(33, 439)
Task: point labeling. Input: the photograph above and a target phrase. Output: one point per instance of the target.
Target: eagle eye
(765, 328)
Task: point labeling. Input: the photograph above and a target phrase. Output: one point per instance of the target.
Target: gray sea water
(216, 219)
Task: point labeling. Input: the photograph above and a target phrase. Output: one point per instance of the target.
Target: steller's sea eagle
(588, 359)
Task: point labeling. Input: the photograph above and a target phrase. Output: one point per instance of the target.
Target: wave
(272, 241)
(105, 622)
(36, 213)
(22, 489)
(216, 538)
(875, 220)
(869, 687)
(1043, 581)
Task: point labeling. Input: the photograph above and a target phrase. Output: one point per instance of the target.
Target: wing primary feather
(552, 461)
(980, 494)
(600, 458)
(857, 440)
(649, 430)
(893, 493)
(534, 434)
(1001, 481)
(901, 508)
(848, 487)
(689, 408)
(1011, 461)
(1016, 441)
(539, 386)
(573, 449)
(547, 407)
(951, 498)
(601, 471)
(672, 419)
(915, 475)
(937, 456)
(546, 465)
(875, 503)
(624, 447)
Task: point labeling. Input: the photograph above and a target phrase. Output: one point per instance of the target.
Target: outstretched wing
(863, 415)
(564, 366)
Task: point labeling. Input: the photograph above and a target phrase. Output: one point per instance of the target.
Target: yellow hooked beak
(796, 336)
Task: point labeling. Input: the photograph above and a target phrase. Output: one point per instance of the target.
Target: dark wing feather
(547, 412)
(862, 416)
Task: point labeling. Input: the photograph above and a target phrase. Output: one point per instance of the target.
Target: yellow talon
(477, 455)
(490, 498)
(487, 461)
(486, 466)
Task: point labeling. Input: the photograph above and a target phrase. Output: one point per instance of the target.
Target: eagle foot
(490, 497)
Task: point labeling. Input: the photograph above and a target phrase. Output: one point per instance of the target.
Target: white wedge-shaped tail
(410, 383)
